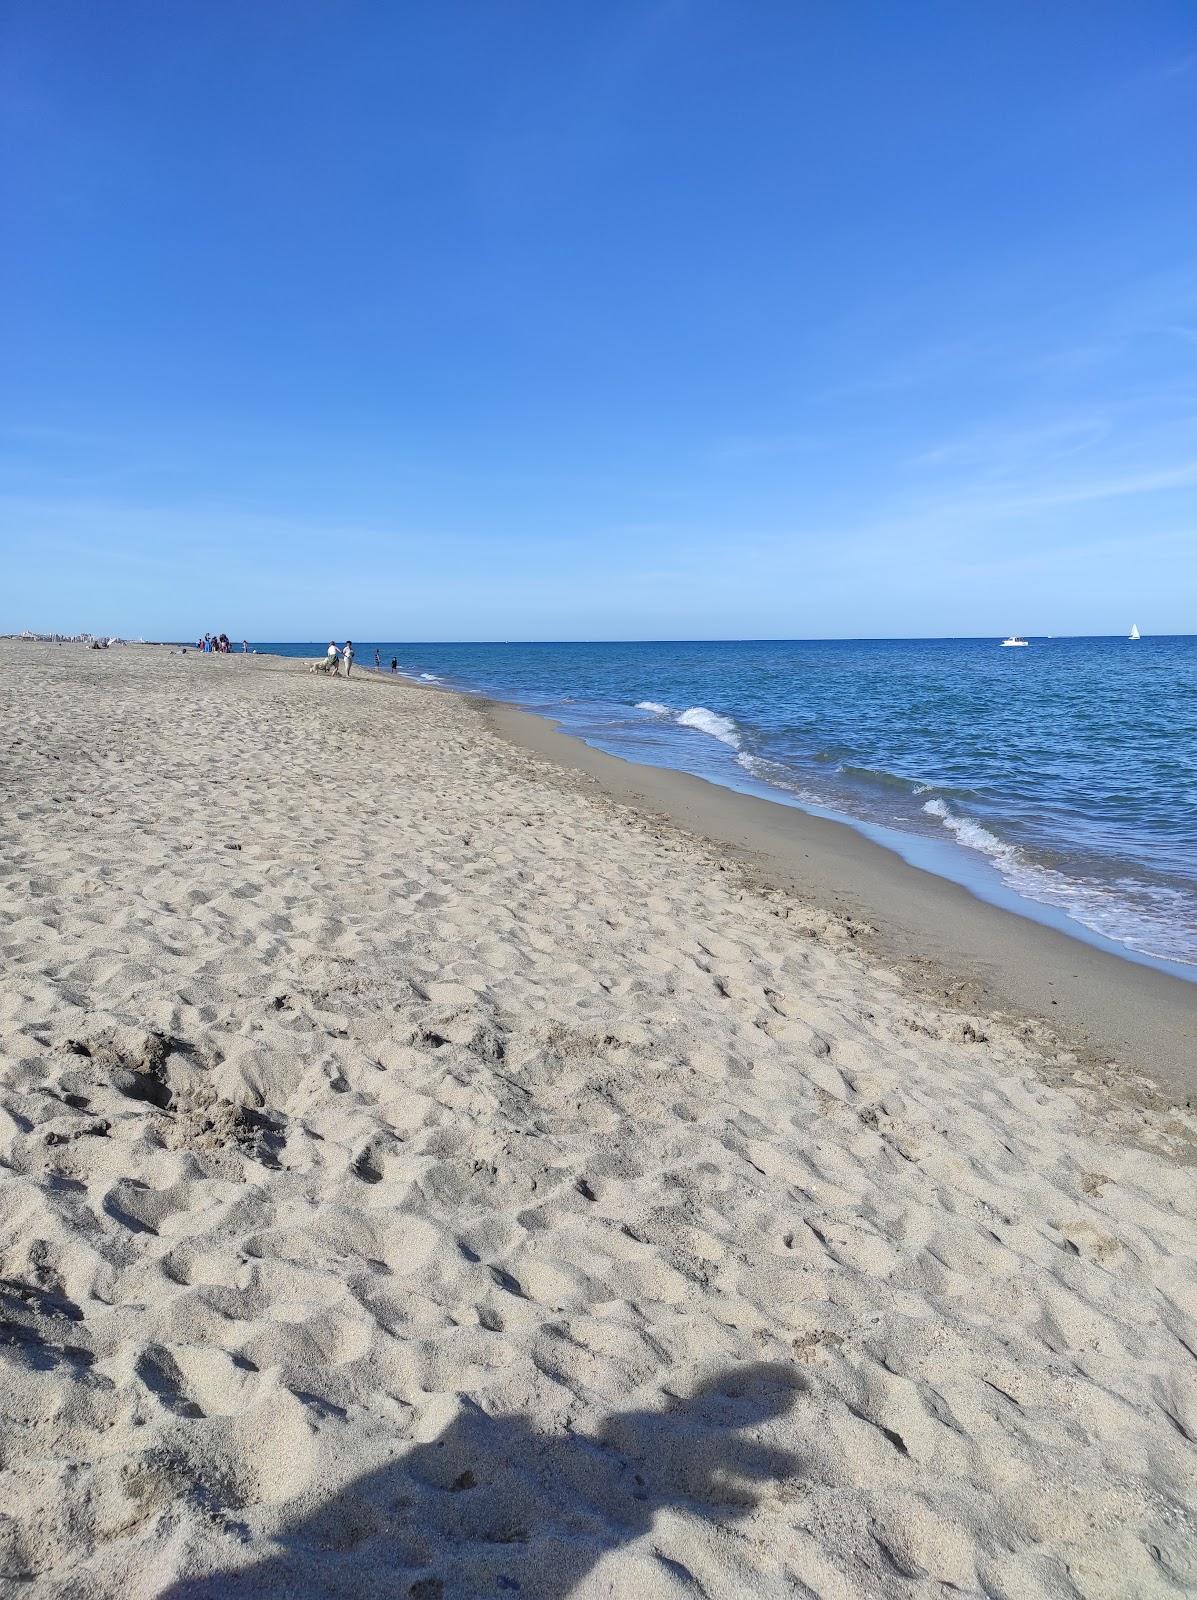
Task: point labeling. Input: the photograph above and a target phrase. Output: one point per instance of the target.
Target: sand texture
(422, 1177)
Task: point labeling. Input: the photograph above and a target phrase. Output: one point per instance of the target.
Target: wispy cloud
(984, 509)
(1178, 68)
(197, 533)
(1109, 488)
(918, 368)
(998, 448)
(759, 446)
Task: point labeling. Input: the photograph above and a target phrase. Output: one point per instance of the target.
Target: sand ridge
(421, 1178)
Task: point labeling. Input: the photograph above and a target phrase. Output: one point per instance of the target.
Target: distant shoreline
(868, 638)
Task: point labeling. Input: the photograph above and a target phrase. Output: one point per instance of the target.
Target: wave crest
(722, 728)
(972, 833)
(1141, 916)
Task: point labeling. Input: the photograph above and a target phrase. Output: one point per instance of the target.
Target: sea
(1059, 780)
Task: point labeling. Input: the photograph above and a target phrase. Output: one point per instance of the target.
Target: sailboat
(1134, 633)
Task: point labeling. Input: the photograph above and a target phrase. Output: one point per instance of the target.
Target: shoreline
(1009, 844)
(944, 939)
(943, 859)
(949, 943)
(429, 1129)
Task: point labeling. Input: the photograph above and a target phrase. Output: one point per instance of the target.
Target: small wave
(430, 677)
(884, 779)
(1143, 917)
(711, 722)
(972, 833)
(779, 777)
(652, 705)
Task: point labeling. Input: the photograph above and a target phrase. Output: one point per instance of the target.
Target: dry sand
(426, 1177)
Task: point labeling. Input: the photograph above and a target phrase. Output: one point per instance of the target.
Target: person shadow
(494, 1507)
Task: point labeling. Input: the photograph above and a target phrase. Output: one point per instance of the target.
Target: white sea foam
(430, 677)
(652, 705)
(972, 833)
(1142, 916)
(710, 722)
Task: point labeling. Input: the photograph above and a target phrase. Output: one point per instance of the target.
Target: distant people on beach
(218, 643)
(377, 660)
(394, 663)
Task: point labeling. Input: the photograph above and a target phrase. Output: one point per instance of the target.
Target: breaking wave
(711, 722)
(972, 833)
(1143, 916)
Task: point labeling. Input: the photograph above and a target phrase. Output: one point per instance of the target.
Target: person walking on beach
(347, 656)
(378, 661)
(333, 652)
(394, 663)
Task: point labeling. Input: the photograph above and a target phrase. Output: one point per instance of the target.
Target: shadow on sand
(492, 1507)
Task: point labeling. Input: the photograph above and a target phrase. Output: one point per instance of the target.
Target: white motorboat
(1013, 640)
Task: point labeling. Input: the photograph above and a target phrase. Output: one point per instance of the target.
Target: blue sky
(605, 320)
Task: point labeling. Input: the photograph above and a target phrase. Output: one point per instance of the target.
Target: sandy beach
(436, 1164)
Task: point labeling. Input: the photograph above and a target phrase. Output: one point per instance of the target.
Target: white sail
(1134, 633)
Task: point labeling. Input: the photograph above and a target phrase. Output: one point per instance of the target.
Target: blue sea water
(1066, 773)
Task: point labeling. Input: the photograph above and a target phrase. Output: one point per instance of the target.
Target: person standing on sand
(347, 656)
(333, 652)
(394, 663)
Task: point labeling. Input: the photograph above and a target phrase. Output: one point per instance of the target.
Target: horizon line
(45, 635)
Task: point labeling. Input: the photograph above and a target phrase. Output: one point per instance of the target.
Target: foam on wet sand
(425, 1176)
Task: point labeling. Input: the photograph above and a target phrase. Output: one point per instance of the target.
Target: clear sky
(617, 319)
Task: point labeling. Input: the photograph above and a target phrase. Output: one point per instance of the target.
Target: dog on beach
(330, 666)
